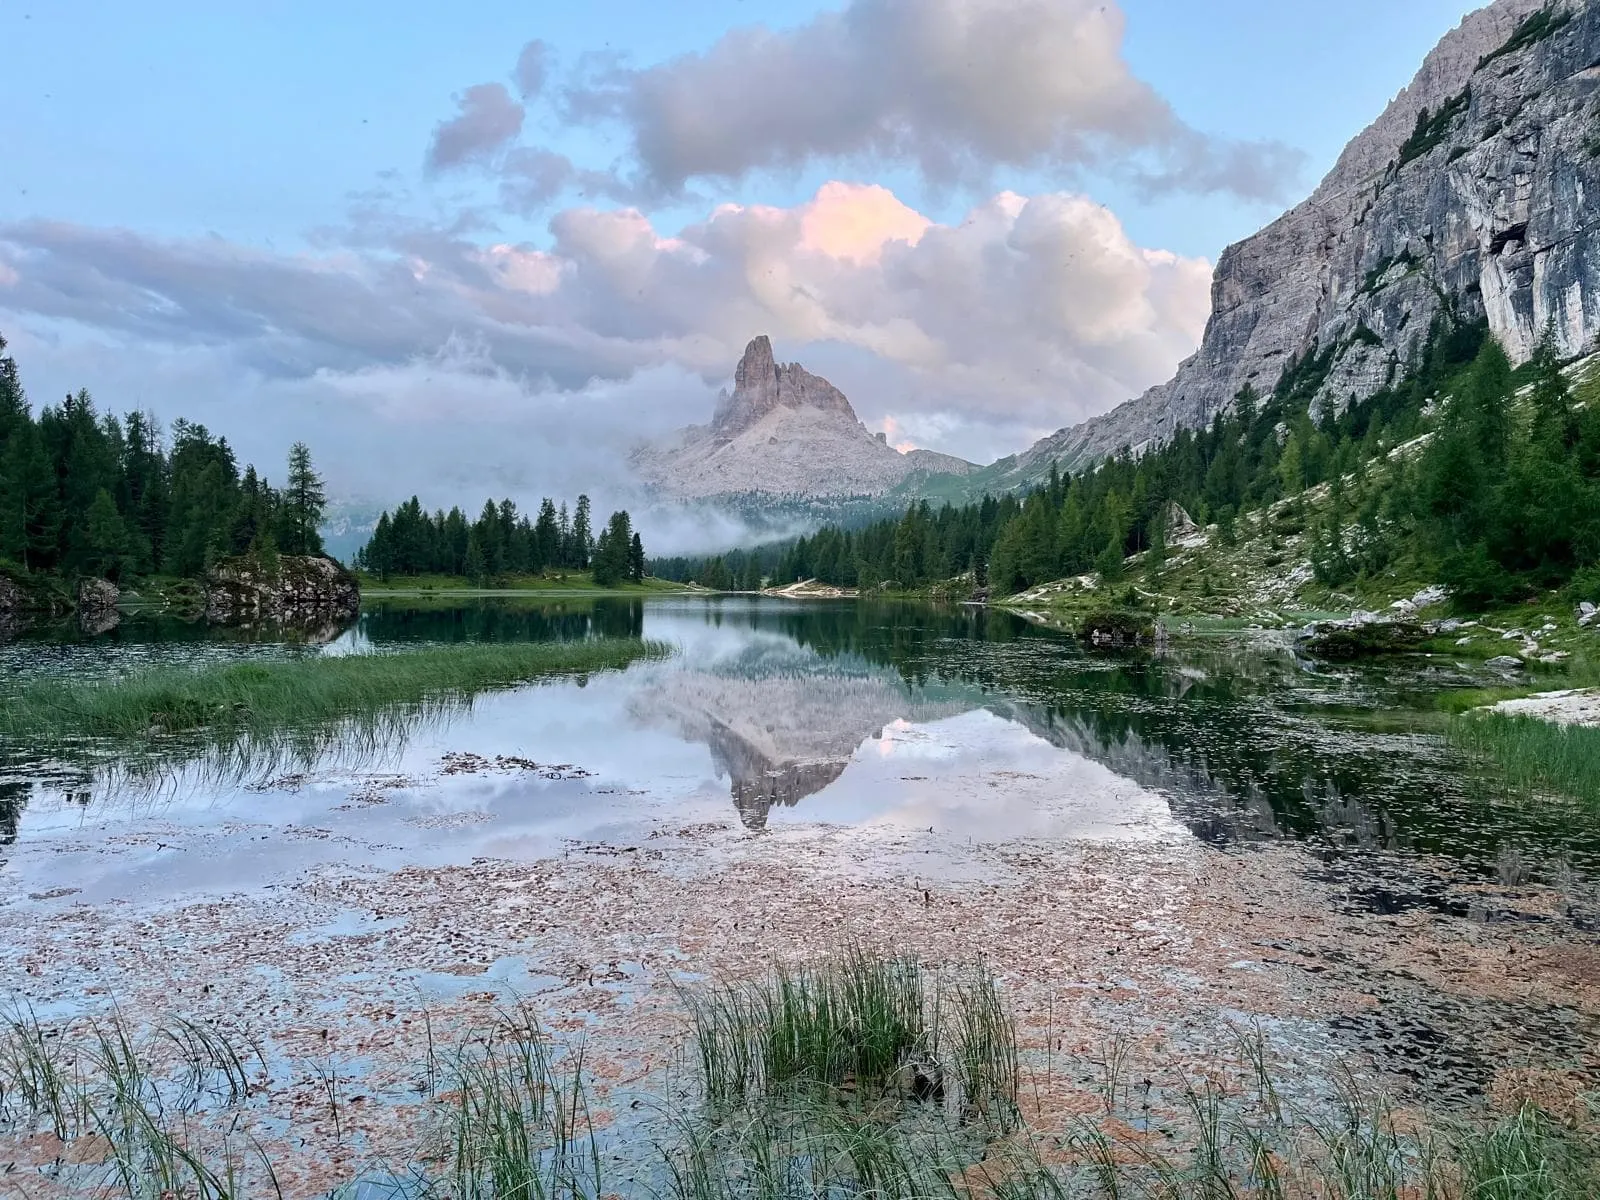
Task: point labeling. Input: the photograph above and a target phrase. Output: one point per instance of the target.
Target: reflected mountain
(778, 731)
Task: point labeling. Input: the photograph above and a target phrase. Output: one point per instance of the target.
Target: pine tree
(636, 559)
(107, 548)
(582, 538)
(304, 502)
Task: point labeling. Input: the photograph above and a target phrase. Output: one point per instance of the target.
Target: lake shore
(1141, 938)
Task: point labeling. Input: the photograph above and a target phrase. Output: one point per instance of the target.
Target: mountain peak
(762, 385)
(757, 366)
(782, 431)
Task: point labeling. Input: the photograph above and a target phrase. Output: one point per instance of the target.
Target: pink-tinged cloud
(1028, 314)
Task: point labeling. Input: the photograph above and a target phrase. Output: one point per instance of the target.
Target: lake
(1152, 850)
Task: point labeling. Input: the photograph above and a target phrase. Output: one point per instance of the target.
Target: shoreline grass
(1535, 755)
(261, 699)
(180, 1111)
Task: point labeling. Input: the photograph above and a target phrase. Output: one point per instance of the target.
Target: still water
(1156, 845)
(967, 721)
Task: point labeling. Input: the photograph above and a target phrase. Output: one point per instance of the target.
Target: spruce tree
(304, 502)
(636, 559)
(582, 535)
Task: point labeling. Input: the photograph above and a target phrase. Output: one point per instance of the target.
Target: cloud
(533, 67)
(487, 119)
(976, 336)
(955, 87)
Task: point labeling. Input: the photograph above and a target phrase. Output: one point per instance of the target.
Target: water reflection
(784, 699)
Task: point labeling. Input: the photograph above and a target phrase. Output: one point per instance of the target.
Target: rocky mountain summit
(782, 431)
(1473, 195)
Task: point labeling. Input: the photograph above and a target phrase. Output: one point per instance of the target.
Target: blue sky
(190, 158)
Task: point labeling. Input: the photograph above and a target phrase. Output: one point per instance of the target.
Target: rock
(1429, 596)
(1472, 194)
(96, 606)
(1115, 630)
(1342, 640)
(1505, 662)
(97, 597)
(1556, 656)
(1512, 635)
(1466, 641)
(1450, 626)
(1587, 609)
(782, 431)
(304, 590)
(11, 599)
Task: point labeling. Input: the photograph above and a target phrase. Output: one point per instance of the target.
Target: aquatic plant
(866, 1026)
(180, 1112)
(1535, 756)
(519, 1128)
(260, 698)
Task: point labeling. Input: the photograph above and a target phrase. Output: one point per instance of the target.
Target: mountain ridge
(1467, 198)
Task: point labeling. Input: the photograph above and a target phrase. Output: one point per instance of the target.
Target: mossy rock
(1378, 638)
(1116, 628)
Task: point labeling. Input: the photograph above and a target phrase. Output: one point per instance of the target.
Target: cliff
(1473, 195)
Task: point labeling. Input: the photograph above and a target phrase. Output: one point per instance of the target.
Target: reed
(520, 1127)
(259, 699)
(1534, 756)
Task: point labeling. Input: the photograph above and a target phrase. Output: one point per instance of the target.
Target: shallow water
(965, 721)
(921, 732)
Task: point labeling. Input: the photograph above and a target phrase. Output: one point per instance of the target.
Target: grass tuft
(261, 698)
(1536, 756)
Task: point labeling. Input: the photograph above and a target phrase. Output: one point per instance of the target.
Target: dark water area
(1243, 741)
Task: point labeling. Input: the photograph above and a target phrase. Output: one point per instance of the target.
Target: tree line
(85, 493)
(1502, 499)
(503, 542)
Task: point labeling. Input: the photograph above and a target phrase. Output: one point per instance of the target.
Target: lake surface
(848, 713)
(1154, 846)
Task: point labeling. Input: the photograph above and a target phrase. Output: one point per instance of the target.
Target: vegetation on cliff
(1465, 473)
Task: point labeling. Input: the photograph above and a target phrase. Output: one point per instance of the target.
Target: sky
(489, 246)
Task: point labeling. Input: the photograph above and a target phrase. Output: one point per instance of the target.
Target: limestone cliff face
(1474, 193)
(782, 431)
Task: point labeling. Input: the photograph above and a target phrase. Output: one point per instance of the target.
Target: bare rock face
(782, 431)
(11, 597)
(1473, 194)
(304, 590)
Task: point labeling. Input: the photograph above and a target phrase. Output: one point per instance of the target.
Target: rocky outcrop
(97, 597)
(96, 606)
(11, 598)
(301, 590)
(1473, 195)
(782, 431)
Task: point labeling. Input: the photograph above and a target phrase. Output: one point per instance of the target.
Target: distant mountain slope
(1474, 195)
(782, 432)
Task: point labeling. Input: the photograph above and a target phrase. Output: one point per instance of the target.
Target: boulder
(301, 590)
(11, 598)
(1505, 662)
(1344, 640)
(1116, 629)
(96, 597)
(96, 606)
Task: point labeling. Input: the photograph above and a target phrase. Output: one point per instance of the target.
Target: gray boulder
(301, 590)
